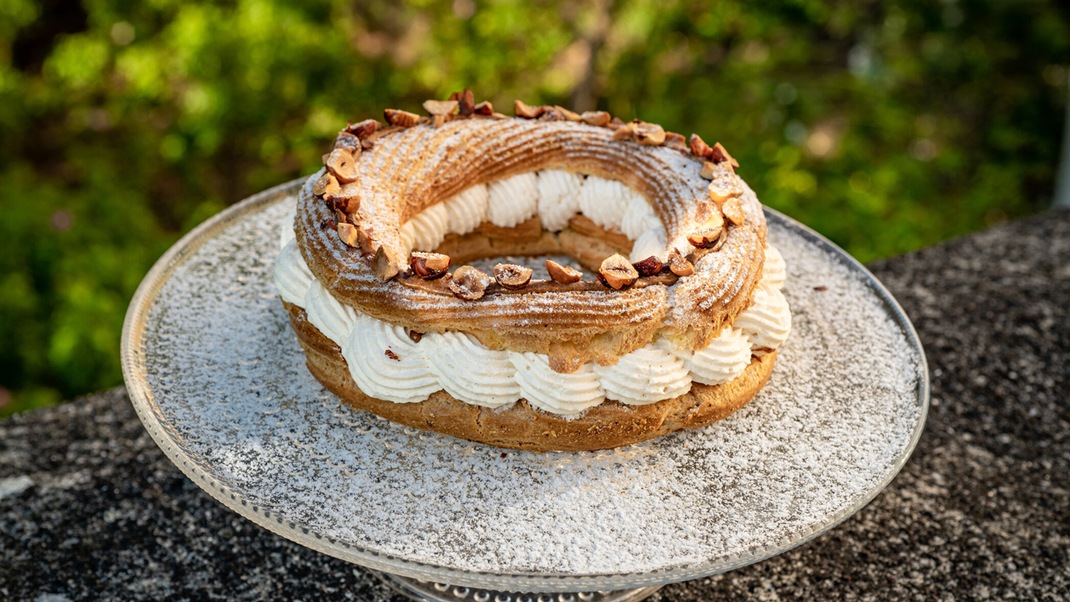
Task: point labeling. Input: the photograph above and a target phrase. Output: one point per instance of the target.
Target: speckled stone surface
(90, 509)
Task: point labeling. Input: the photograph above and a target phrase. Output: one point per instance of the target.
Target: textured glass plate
(219, 381)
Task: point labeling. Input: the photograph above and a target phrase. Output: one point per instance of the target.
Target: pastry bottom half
(520, 426)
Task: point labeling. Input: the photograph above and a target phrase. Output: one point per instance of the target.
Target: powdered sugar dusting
(230, 381)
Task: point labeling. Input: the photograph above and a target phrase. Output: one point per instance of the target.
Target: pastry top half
(359, 220)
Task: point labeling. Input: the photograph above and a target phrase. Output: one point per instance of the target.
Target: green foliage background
(885, 125)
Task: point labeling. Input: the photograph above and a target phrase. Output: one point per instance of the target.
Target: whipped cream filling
(774, 270)
(468, 209)
(767, 321)
(559, 198)
(566, 394)
(725, 358)
(425, 231)
(646, 375)
(469, 371)
(386, 363)
(513, 200)
(556, 196)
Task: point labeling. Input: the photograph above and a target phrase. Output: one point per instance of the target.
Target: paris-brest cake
(678, 326)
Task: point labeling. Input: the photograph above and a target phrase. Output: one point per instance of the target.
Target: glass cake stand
(218, 380)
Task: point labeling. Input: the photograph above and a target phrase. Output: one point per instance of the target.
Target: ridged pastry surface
(410, 170)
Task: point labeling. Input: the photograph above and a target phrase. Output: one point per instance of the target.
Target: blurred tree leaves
(886, 126)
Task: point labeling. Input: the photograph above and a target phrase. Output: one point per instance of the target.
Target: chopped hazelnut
(626, 131)
(404, 119)
(341, 163)
(648, 267)
(466, 102)
(363, 129)
(415, 336)
(650, 134)
(331, 189)
(551, 114)
(440, 107)
(567, 114)
(709, 170)
(676, 141)
(469, 283)
(321, 184)
(349, 204)
(484, 108)
(678, 265)
(719, 155)
(724, 186)
(598, 118)
(349, 142)
(706, 235)
(700, 148)
(367, 243)
(615, 123)
(429, 266)
(733, 211)
(512, 277)
(617, 272)
(384, 264)
(562, 273)
(348, 234)
(526, 111)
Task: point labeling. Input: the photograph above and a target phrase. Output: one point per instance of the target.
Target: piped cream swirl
(559, 198)
(425, 231)
(774, 270)
(469, 371)
(647, 375)
(468, 209)
(768, 321)
(324, 312)
(293, 279)
(552, 391)
(605, 201)
(513, 200)
(385, 363)
(725, 358)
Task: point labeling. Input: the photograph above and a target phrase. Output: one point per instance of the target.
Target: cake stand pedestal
(426, 591)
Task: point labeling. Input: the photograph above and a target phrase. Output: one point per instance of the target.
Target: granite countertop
(91, 509)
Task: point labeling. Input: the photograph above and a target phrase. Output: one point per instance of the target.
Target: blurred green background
(887, 126)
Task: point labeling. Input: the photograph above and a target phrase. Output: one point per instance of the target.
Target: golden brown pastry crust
(608, 425)
(413, 168)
